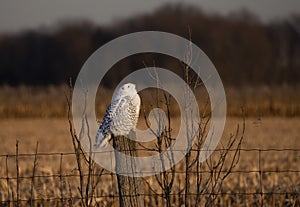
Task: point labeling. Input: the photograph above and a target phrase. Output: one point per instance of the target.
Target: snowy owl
(121, 115)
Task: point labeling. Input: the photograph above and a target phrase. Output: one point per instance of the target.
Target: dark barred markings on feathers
(121, 115)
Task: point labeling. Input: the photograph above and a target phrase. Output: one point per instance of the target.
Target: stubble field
(267, 173)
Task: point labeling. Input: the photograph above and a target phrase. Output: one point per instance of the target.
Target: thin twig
(17, 170)
(32, 197)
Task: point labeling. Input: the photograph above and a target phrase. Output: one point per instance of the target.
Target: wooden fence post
(130, 188)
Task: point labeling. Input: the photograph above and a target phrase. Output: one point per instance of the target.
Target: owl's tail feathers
(101, 140)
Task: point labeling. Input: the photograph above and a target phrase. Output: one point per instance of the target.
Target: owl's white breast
(136, 100)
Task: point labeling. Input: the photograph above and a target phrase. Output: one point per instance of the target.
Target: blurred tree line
(243, 49)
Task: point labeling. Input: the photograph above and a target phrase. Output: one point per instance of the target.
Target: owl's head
(127, 89)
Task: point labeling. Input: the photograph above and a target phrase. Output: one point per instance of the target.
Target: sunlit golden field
(53, 133)
(53, 137)
(50, 101)
(270, 146)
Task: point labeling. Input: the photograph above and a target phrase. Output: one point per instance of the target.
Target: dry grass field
(281, 168)
(50, 101)
(268, 172)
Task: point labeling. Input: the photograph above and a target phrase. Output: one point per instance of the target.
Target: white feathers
(121, 115)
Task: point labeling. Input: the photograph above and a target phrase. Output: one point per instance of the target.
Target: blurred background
(255, 46)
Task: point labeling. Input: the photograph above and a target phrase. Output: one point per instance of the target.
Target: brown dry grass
(33, 115)
(53, 136)
(45, 102)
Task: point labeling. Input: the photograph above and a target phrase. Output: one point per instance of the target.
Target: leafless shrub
(89, 182)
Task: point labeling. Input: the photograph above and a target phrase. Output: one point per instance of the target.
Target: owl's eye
(128, 86)
(122, 88)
